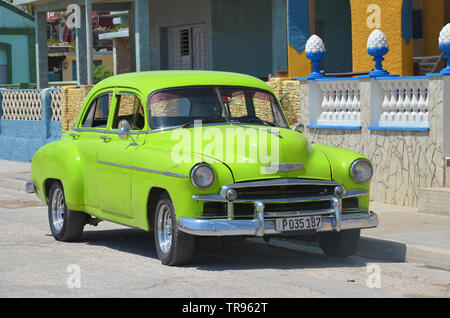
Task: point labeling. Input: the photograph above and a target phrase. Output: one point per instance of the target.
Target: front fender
(59, 160)
(340, 161)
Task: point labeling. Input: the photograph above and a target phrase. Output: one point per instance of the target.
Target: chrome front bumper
(263, 222)
(260, 227)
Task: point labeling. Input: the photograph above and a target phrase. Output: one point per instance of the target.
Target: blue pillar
(40, 27)
(81, 50)
(279, 36)
(89, 43)
(46, 114)
(142, 35)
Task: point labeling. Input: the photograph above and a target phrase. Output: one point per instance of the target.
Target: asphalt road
(114, 261)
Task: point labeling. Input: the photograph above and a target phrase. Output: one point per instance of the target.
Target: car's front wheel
(173, 246)
(65, 224)
(340, 244)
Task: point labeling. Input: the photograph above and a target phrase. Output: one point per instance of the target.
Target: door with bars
(188, 47)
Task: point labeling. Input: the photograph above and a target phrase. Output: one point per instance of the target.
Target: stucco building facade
(17, 53)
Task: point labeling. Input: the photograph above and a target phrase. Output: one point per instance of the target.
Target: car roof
(147, 82)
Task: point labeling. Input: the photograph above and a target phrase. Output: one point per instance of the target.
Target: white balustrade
(340, 103)
(405, 103)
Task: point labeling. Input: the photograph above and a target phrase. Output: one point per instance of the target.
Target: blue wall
(279, 36)
(20, 57)
(333, 25)
(242, 36)
(16, 29)
(20, 139)
(245, 36)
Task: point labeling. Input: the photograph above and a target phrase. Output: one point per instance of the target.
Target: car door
(115, 156)
(87, 136)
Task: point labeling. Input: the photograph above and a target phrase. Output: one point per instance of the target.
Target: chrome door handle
(105, 138)
(74, 136)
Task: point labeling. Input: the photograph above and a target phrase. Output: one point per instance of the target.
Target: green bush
(101, 72)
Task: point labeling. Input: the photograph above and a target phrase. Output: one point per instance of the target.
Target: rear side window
(97, 115)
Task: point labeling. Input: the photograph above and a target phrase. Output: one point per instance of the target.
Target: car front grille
(283, 191)
(282, 198)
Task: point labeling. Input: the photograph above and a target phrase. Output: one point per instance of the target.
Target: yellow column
(367, 15)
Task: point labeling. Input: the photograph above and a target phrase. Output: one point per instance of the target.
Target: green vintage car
(199, 153)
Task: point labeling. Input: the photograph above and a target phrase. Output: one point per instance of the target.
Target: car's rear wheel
(65, 224)
(174, 247)
(340, 244)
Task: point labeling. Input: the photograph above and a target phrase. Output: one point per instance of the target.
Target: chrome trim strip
(284, 167)
(276, 182)
(254, 227)
(297, 213)
(287, 214)
(354, 193)
(170, 174)
(90, 130)
(218, 198)
(114, 132)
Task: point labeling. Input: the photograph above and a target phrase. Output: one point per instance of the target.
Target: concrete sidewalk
(404, 234)
(14, 174)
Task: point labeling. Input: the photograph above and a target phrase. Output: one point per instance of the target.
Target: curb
(380, 249)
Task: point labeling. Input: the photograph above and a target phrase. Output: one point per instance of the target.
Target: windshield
(183, 106)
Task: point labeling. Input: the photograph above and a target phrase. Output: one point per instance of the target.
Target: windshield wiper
(203, 121)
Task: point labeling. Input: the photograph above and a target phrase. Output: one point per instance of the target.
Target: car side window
(97, 115)
(129, 108)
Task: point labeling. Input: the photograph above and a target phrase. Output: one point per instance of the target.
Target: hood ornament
(284, 167)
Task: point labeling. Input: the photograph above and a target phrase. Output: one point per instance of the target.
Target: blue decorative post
(315, 51)
(444, 46)
(377, 46)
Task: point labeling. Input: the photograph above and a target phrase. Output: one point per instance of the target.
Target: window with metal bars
(185, 42)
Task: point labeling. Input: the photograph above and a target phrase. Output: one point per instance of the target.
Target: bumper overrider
(263, 222)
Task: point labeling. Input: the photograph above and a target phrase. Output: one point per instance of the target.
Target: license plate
(298, 223)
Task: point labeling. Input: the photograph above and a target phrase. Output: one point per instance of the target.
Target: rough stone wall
(404, 161)
(291, 100)
(72, 99)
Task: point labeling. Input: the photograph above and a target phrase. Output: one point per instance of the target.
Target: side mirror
(124, 129)
(300, 128)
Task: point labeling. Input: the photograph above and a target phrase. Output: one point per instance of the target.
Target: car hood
(251, 152)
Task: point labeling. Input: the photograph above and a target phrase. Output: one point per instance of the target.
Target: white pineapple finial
(444, 36)
(377, 40)
(315, 45)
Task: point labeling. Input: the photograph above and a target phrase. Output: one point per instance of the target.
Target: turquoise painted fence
(29, 119)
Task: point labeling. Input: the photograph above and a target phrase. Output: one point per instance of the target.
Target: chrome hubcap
(164, 228)
(58, 209)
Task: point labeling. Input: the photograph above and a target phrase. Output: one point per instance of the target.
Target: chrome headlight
(202, 176)
(361, 171)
